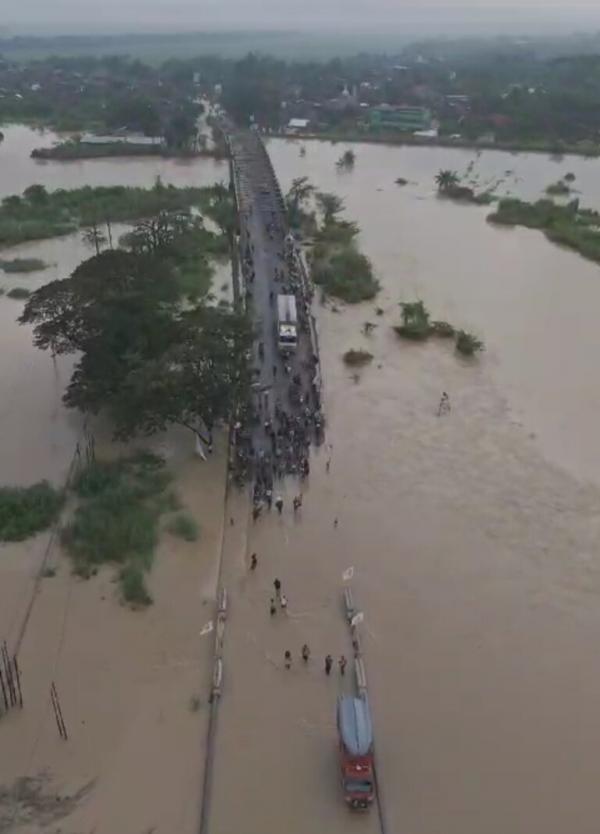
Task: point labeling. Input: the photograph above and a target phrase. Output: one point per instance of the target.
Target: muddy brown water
(473, 536)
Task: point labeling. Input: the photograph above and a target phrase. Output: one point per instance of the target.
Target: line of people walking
(305, 655)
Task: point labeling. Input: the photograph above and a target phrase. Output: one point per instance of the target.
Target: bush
(357, 358)
(443, 329)
(18, 293)
(348, 275)
(559, 188)
(133, 586)
(415, 321)
(23, 265)
(185, 527)
(25, 511)
(467, 343)
(117, 519)
(401, 181)
(570, 177)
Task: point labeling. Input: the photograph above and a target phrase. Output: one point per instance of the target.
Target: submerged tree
(347, 159)
(146, 358)
(330, 206)
(446, 179)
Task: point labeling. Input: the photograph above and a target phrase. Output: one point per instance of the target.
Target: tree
(300, 192)
(181, 131)
(146, 358)
(136, 113)
(254, 90)
(201, 379)
(12, 202)
(446, 180)
(347, 159)
(36, 195)
(93, 237)
(330, 205)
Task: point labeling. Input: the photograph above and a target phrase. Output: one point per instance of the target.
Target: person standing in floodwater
(328, 664)
(288, 660)
(279, 504)
(342, 664)
(277, 586)
(273, 609)
(305, 652)
(253, 561)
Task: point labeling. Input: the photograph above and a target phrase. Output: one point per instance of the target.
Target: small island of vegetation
(568, 225)
(18, 293)
(38, 213)
(418, 326)
(449, 185)
(357, 358)
(170, 357)
(23, 265)
(338, 267)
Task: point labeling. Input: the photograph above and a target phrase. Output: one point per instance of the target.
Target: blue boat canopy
(354, 721)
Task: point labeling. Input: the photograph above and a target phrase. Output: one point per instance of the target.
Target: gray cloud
(436, 15)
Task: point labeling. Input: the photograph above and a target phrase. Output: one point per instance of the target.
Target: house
(297, 125)
(133, 139)
(402, 118)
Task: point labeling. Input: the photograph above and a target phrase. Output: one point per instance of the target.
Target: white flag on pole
(348, 574)
(207, 628)
(357, 619)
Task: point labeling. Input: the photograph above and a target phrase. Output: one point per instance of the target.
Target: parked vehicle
(355, 731)
(287, 324)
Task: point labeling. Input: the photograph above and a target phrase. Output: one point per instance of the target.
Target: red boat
(355, 731)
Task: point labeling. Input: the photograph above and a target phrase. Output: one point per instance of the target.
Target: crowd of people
(274, 437)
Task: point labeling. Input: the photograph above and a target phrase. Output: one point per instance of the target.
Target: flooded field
(20, 171)
(473, 537)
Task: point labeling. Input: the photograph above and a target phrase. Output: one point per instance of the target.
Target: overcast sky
(403, 15)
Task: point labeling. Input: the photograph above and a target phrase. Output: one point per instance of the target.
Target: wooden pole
(8, 673)
(58, 711)
(3, 691)
(18, 680)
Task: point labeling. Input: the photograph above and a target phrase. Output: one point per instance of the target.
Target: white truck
(287, 324)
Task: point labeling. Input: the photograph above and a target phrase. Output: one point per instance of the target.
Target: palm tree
(330, 205)
(446, 179)
(296, 197)
(300, 191)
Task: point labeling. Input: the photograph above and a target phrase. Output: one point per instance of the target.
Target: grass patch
(467, 343)
(18, 293)
(184, 526)
(357, 358)
(23, 265)
(117, 520)
(25, 511)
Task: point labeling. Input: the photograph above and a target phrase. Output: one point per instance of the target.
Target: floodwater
(18, 170)
(473, 536)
